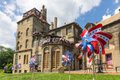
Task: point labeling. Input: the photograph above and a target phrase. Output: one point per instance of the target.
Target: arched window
(18, 45)
(27, 31)
(55, 57)
(18, 34)
(46, 58)
(26, 43)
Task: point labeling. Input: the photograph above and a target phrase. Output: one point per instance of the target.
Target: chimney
(65, 23)
(55, 22)
(43, 13)
(52, 25)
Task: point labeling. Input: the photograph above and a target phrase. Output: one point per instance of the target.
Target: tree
(6, 56)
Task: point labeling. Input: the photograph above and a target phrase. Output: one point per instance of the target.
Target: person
(5, 69)
(12, 68)
(32, 63)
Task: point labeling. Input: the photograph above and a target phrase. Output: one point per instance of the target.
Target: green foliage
(9, 68)
(6, 57)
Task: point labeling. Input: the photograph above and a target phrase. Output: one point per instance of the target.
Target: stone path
(87, 72)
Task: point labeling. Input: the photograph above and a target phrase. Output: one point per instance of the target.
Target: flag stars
(106, 39)
(99, 29)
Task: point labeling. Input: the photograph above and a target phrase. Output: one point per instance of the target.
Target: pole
(100, 67)
(93, 67)
(69, 72)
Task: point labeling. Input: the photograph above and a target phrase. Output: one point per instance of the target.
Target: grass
(56, 76)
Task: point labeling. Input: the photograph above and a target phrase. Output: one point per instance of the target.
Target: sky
(80, 11)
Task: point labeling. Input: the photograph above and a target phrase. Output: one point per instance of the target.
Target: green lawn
(56, 76)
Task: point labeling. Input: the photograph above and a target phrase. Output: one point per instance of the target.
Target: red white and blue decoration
(67, 58)
(93, 41)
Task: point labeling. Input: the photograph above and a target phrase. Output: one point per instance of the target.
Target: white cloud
(4, 2)
(108, 15)
(66, 11)
(105, 17)
(117, 10)
(116, 1)
(7, 28)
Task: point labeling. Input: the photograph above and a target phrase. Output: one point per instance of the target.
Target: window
(25, 59)
(39, 58)
(46, 58)
(19, 71)
(27, 31)
(76, 32)
(19, 34)
(33, 42)
(109, 61)
(15, 71)
(25, 71)
(19, 56)
(59, 33)
(26, 43)
(18, 45)
(55, 57)
(68, 30)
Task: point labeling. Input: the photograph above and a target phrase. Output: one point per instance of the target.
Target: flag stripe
(84, 33)
(105, 34)
(95, 27)
(99, 39)
(106, 39)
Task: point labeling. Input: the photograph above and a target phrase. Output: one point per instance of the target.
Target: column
(61, 53)
(50, 61)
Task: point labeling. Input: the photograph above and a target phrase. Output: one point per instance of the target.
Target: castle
(48, 42)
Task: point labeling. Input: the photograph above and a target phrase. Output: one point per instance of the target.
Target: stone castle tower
(32, 21)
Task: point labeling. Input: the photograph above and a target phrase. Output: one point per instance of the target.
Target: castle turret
(43, 13)
(55, 22)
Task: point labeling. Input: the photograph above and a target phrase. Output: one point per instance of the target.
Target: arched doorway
(46, 58)
(55, 57)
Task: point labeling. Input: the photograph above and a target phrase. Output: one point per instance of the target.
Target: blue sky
(80, 11)
(106, 7)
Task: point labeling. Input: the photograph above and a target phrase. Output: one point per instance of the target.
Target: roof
(112, 19)
(34, 16)
(66, 26)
